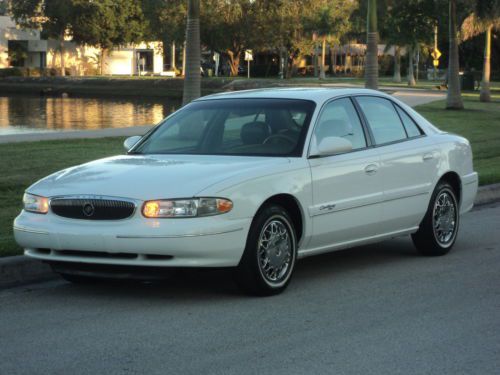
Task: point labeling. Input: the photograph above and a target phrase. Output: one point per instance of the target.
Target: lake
(28, 114)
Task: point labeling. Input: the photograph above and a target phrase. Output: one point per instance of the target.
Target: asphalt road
(370, 310)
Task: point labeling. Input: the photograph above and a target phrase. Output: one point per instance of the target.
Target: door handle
(428, 156)
(371, 169)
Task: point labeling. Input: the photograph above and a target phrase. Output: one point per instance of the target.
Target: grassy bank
(24, 163)
(164, 87)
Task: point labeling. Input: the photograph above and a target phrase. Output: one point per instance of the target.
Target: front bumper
(195, 242)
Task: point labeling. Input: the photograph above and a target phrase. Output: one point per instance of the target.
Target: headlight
(186, 207)
(35, 203)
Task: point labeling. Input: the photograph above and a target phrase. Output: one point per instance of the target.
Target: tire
(267, 270)
(439, 228)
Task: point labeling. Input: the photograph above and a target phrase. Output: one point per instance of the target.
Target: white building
(24, 48)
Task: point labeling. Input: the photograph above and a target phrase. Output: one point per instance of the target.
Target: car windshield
(262, 127)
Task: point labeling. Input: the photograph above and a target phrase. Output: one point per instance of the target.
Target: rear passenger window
(382, 118)
(411, 128)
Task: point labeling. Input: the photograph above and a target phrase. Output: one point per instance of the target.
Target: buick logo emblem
(88, 209)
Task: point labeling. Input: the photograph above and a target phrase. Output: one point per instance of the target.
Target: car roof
(316, 94)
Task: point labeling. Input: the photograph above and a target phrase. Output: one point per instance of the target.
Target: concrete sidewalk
(412, 97)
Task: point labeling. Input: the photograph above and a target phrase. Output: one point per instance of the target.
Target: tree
(166, 21)
(231, 26)
(107, 23)
(488, 12)
(329, 19)
(453, 96)
(52, 17)
(409, 23)
(192, 79)
(371, 68)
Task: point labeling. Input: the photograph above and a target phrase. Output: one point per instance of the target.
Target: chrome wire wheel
(276, 250)
(444, 218)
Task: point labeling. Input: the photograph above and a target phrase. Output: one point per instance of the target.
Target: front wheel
(270, 253)
(439, 228)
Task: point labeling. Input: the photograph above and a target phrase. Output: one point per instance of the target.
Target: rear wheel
(439, 228)
(270, 253)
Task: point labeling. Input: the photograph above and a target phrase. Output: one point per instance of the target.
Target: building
(24, 48)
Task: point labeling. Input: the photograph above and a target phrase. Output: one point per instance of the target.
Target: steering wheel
(279, 136)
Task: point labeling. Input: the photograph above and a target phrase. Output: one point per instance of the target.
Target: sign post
(248, 58)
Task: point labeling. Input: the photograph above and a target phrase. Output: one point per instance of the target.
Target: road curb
(487, 194)
(19, 270)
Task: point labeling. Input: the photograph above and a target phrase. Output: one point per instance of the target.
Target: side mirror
(131, 141)
(333, 145)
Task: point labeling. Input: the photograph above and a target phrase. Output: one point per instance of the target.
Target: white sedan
(254, 180)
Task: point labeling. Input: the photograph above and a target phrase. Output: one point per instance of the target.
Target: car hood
(149, 176)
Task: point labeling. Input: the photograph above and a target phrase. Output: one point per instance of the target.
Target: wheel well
(454, 180)
(290, 204)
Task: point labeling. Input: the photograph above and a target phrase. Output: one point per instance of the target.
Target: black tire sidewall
(249, 267)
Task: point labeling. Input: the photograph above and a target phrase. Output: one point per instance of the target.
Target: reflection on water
(20, 114)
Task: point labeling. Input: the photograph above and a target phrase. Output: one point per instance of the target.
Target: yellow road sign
(436, 54)
(435, 62)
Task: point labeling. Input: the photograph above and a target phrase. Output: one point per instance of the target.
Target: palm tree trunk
(453, 97)
(371, 67)
(172, 57)
(323, 58)
(411, 75)
(192, 79)
(397, 64)
(485, 95)
(61, 47)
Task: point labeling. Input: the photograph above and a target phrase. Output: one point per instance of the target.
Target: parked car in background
(254, 180)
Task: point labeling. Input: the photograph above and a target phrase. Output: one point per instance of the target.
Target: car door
(408, 162)
(347, 188)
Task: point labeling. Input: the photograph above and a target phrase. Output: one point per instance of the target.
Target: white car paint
(344, 200)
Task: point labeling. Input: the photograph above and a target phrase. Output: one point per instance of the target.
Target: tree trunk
(61, 46)
(371, 67)
(453, 97)
(192, 79)
(485, 95)
(184, 59)
(411, 75)
(234, 61)
(172, 57)
(397, 64)
(323, 55)
(101, 63)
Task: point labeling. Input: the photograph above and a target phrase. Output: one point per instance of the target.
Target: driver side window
(340, 119)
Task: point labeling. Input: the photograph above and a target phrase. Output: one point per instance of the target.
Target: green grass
(24, 163)
(480, 124)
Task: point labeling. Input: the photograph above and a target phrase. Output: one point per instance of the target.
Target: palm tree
(485, 18)
(411, 74)
(192, 79)
(397, 64)
(489, 14)
(453, 97)
(371, 68)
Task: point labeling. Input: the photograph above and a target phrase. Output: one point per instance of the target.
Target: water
(29, 114)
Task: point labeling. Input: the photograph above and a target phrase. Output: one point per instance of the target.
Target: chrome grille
(92, 208)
